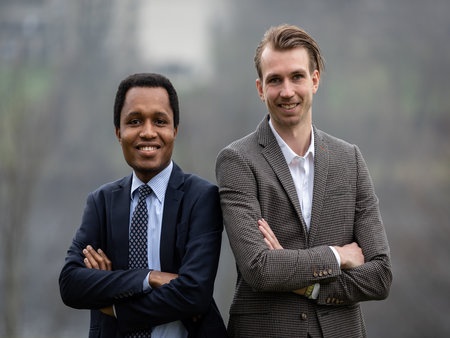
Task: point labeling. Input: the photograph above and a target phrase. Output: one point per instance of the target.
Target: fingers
(196, 318)
(90, 261)
(269, 244)
(351, 256)
(269, 236)
(159, 278)
(96, 259)
(108, 263)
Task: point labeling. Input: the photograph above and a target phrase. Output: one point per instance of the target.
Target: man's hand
(159, 278)
(351, 256)
(269, 237)
(98, 260)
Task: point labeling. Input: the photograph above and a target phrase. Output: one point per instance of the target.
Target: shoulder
(108, 188)
(243, 144)
(190, 183)
(334, 145)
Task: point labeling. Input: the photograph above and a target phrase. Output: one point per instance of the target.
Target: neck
(298, 137)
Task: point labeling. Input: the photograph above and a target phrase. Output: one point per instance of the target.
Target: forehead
(274, 61)
(146, 95)
(147, 99)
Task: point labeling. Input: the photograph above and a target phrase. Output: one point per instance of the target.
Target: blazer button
(328, 300)
(320, 274)
(304, 316)
(315, 274)
(325, 272)
(330, 271)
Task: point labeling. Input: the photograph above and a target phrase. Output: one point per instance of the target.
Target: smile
(147, 148)
(288, 106)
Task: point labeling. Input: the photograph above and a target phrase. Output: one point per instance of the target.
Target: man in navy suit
(172, 297)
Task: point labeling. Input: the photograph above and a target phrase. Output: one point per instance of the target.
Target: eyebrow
(132, 113)
(296, 71)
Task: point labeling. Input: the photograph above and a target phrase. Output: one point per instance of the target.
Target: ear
(260, 89)
(315, 81)
(119, 137)
(175, 132)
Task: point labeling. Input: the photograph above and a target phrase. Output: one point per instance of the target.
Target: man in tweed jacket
(300, 210)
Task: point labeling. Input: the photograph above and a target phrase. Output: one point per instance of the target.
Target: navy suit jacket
(190, 246)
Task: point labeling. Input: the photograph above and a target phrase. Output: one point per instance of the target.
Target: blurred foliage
(385, 88)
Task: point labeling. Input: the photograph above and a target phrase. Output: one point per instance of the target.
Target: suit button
(304, 316)
(328, 300)
(320, 273)
(330, 271)
(315, 274)
(325, 272)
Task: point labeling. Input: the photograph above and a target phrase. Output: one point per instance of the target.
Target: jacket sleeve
(372, 280)
(241, 183)
(84, 288)
(191, 293)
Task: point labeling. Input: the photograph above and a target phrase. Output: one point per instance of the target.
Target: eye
(134, 121)
(273, 80)
(160, 122)
(297, 76)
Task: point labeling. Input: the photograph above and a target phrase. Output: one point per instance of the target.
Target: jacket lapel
(120, 220)
(274, 156)
(320, 181)
(172, 202)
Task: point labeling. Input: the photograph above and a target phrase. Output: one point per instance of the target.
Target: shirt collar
(158, 183)
(288, 153)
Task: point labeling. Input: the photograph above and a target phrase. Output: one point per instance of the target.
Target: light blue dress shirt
(155, 207)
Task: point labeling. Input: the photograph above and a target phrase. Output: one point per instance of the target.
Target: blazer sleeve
(372, 280)
(241, 182)
(84, 288)
(191, 293)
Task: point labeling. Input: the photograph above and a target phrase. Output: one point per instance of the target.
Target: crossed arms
(98, 260)
(251, 190)
(181, 295)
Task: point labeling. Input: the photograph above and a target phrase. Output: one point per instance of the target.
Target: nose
(147, 130)
(287, 89)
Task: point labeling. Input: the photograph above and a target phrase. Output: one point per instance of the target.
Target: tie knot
(144, 191)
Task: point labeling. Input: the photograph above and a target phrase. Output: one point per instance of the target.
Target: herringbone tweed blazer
(254, 182)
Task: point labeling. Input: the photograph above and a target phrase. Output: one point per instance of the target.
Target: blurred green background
(386, 88)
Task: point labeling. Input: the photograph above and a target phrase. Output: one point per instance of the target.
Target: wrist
(312, 291)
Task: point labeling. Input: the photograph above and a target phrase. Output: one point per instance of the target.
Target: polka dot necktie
(137, 252)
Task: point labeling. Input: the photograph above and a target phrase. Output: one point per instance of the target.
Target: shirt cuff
(336, 254)
(315, 292)
(114, 310)
(145, 284)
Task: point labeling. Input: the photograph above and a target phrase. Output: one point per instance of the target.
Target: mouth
(288, 106)
(147, 148)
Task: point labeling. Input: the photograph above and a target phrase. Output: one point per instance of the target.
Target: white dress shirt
(302, 172)
(155, 207)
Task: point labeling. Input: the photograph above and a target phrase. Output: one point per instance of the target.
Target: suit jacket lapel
(120, 221)
(274, 156)
(320, 181)
(172, 202)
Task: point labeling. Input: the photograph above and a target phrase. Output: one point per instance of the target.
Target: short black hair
(152, 80)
